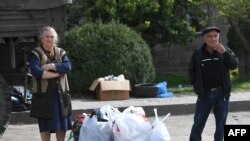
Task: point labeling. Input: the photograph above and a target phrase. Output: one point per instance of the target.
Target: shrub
(159, 21)
(97, 50)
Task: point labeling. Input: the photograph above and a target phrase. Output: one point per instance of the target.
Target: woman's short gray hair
(49, 29)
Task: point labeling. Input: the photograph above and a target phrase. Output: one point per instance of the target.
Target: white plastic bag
(92, 130)
(131, 127)
(134, 110)
(159, 130)
(110, 112)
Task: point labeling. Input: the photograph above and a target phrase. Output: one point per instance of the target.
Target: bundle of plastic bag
(94, 130)
(134, 110)
(159, 130)
(110, 113)
(132, 126)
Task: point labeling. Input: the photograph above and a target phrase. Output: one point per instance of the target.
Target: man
(209, 74)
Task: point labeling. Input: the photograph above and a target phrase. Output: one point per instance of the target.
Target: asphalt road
(178, 126)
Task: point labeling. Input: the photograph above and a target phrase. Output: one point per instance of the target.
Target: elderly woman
(51, 103)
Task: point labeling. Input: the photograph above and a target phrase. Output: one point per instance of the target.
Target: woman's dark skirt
(57, 122)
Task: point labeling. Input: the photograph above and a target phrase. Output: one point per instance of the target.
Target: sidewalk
(179, 127)
(177, 105)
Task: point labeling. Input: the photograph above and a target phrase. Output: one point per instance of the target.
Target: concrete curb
(174, 109)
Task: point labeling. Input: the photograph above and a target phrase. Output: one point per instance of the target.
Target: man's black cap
(210, 28)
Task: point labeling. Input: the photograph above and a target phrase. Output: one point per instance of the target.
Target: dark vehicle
(20, 21)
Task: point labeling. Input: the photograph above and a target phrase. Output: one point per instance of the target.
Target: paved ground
(179, 128)
(177, 105)
(22, 127)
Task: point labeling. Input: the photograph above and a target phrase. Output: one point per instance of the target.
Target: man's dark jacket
(228, 61)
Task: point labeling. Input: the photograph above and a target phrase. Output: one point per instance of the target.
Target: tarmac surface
(176, 105)
(179, 127)
(181, 107)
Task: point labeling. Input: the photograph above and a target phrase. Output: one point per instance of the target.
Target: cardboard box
(111, 90)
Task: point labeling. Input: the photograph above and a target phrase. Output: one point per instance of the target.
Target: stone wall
(175, 59)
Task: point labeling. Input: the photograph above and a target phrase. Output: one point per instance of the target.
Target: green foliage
(162, 21)
(188, 89)
(234, 73)
(179, 84)
(236, 9)
(240, 84)
(172, 79)
(234, 41)
(238, 15)
(98, 50)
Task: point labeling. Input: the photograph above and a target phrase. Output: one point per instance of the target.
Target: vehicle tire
(5, 105)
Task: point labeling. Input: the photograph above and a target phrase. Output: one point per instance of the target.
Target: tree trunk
(244, 70)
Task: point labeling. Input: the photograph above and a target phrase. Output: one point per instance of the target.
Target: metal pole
(25, 76)
(12, 55)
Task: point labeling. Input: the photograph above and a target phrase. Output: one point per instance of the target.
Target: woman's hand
(49, 67)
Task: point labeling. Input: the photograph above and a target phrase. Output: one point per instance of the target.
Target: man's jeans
(214, 100)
